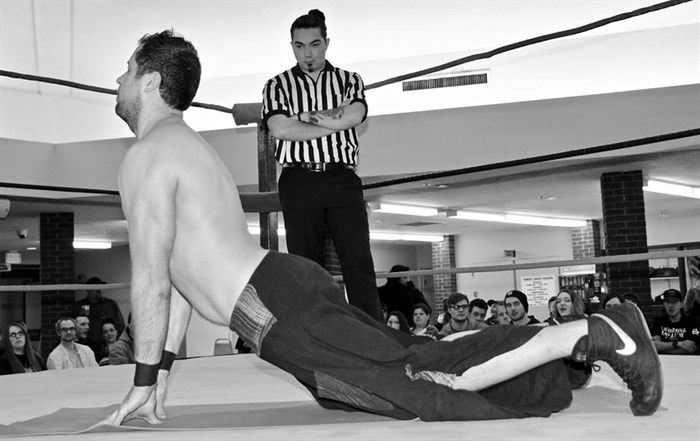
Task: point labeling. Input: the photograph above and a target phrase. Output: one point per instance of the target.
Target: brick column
(57, 267)
(585, 241)
(444, 257)
(625, 231)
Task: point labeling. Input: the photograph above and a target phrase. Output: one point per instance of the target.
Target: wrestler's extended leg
(551, 343)
(618, 336)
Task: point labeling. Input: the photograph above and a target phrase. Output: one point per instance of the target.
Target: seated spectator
(631, 297)
(502, 317)
(444, 317)
(570, 307)
(675, 333)
(612, 299)
(109, 337)
(421, 317)
(69, 354)
(518, 307)
(492, 311)
(98, 308)
(400, 295)
(122, 350)
(20, 356)
(552, 306)
(82, 331)
(477, 309)
(460, 319)
(398, 321)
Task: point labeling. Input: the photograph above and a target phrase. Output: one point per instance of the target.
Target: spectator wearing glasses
(69, 354)
(20, 356)
(460, 318)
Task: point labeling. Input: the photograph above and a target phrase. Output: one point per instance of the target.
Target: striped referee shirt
(293, 92)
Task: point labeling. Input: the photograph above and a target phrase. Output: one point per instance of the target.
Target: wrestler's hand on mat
(140, 402)
(161, 392)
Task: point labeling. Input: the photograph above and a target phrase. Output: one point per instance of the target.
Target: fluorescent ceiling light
(91, 245)
(410, 210)
(380, 235)
(472, 215)
(517, 219)
(687, 191)
(547, 221)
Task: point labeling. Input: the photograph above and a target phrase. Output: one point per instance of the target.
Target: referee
(312, 110)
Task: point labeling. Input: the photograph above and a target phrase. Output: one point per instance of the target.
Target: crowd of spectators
(92, 337)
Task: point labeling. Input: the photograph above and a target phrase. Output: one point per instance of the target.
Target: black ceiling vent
(445, 81)
(420, 224)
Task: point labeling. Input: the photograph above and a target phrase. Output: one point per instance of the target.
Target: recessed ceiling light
(91, 245)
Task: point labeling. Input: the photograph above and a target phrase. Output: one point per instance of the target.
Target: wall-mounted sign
(539, 289)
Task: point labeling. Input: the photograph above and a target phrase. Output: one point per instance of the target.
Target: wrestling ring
(240, 396)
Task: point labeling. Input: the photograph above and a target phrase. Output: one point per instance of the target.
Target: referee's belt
(318, 166)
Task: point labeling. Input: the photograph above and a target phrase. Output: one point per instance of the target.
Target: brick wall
(57, 267)
(585, 241)
(625, 231)
(444, 257)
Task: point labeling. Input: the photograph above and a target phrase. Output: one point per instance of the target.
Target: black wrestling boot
(619, 336)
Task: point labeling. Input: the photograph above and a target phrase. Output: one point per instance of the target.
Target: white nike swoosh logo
(629, 347)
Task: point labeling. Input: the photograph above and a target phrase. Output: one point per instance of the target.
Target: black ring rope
(529, 42)
(483, 55)
(443, 174)
(536, 159)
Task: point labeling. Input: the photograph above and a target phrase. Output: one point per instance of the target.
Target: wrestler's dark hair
(478, 303)
(177, 62)
(314, 19)
(35, 360)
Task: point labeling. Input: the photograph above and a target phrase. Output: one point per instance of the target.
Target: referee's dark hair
(314, 19)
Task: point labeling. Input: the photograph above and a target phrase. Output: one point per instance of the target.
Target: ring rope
(66, 287)
(381, 275)
(537, 159)
(547, 264)
(443, 174)
(529, 42)
(483, 55)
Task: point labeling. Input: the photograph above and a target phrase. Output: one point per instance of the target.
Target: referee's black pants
(314, 203)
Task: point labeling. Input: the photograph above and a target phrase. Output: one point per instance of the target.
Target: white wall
(532, 244)
(674, 229)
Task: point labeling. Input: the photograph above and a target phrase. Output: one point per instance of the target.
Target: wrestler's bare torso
(197, 225)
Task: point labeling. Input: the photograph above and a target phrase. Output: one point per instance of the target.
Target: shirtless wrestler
(190, 248)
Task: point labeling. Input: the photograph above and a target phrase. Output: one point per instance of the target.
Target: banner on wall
(539, 289)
